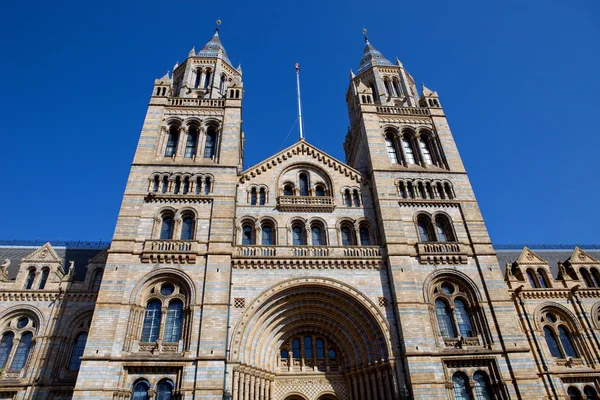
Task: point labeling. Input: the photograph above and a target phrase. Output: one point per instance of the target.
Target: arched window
(6, 345)
(152, 319)
(172, 140)
(164, 390)
(444, 318)
(574, 393)
(192, 143)
(421, 190)
(308, 347)
(288, 189)
(253, 196)
(356, 198)
(482, 389)
(22, 353)
(166, 227)
(317, 235)
(551, 342)
(78, 348)
(407, 147)
(298, 237)
(44, 278)
(174, 321)
(586, 277)
(97, 280)
(284, 354)
(247, 234)
(440, 190)
(595, 277)
(391, 149)
(331, 354)
(429, 190)
(267, 235)
(532, 279)
(177, 187)
(425, 231)
(303, 181)
(187, 227)
(388, 87)
(186, 185)
(165, 185)
(443, 229)
(365, 235)
(449, 192)
(425, 150)
(397, 87)
(461, 391)
(374, 91)
(30, 279)
(207, 185)
(567, 344)
(156, 184)
(140, 390)
(198, 186)
(198, 75)
(347, 198)
(590, 393)
(296, 348)
(463, 319)
(211, 142)
(347, 237)
(320, 348)
(541, 275)
(207, 78)
(222, 83)
(262, 197)
(319, 191)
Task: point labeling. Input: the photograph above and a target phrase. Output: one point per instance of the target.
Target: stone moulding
(442, 253)
(307, 264)
(305, 203)
(170, 251)
(177, 198)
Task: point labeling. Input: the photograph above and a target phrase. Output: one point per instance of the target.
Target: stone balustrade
(402, 110)
(442, 253)
(170, 251)
(190, 102)
(373, 252)
(306, 203)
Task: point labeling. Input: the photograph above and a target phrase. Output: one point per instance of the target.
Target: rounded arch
(186, 210)
(71, 327)
(295, 396)
(212, 123)
(192, 121)
(174, 121)
(24, 309)
(282, 179)
(452, 275)
(329, 306)
(566, 315)
(161, 274)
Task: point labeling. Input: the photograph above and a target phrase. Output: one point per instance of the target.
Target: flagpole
(299, 104)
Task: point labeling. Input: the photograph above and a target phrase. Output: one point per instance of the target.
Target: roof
(551, 255)
(371, 57)
(212, 47)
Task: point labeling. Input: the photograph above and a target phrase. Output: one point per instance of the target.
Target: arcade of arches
(313, 340)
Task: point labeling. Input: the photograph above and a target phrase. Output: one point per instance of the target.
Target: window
(177, 186)
(284, 354)
(174, 321)
(391, 149)
(172, 140)
(186, 185)
(456, 320)
(443, 229)
(318, 237)
(22, 353)
(408, 150)
(425, 150)
(140, 390)
(30, 279)
(347, 198)
(482, 389)
(164, 390)
(6, 345)
(155, 184)
(347, 237)
(541, 275)
(267, 235)
(590, 393)
(319, 191)
(247, 234)
(288, 190)
(207, 185)
(44, 278)
(461, 391)
(442, 312)
(532, 279)
(356, 198)
(365, 236)
(296, 348)
(192, 142)
(595, 277)
(197, 81)
(262, 197)
(551, 342)
(165, 185)
(152, 319)
(463, 320)
(586, 277)
(187, 227)
(97, 280)
(303, 179)
(388, 87)
(298, 237)
(311, 348)
(397, 87)
(308, 347)
(320, 348)
(253, 196)
(425, 231)
(567, 344)
(574, 393)
(331, 354)
(78, 348)
(166, 227)
(554, 327)
(210, 146)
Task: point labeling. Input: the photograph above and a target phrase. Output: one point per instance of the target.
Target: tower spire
(299, 104)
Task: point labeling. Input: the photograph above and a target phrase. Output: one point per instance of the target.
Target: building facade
(301, 277)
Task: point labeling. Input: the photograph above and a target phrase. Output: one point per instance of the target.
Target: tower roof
(211, 49)
(371, 57)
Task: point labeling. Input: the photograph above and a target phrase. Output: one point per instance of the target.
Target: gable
(44, 254)
(529, 257)
(581, 257)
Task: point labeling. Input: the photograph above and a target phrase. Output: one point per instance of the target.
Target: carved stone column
(388, 389)
(246, 387)
(236, 378)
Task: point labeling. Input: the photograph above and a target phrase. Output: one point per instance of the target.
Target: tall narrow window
(567, 344)
(140, 391)
(165, 185)
(388, 87)
(198, 185)
(461, 392)
(319, 191)
(590, 393)
(347, 198)
(192, 143)
(574, 393)
(6, 345)
(207, 185)
(78, 348)
(262, 197)
(172, 140)
(303, 185)
(397, 88)
(541, 275)
(44, 278)
(463, 319)
(346, 236)
(253, 196)
(155, 184)
(211, 142)
(296, 348)
(247, 234)
(298, 235)
(440, 190)
(449, 192)
(482, 391)
(174, 321)
(97, 281)
(532, 279)
(595, 277)
(425, 150)
(152, 318)
(22, 353)
(30, 279)
(391, 149)
(177, 186)
(207, 78)
(552, 343)
(586, 277)
(409, 154)
(424, 225)
(374, 91)
(317, 236)
(164, 390)
(222, 83)
(356, 198)
(365, 237)
(320, 348)
(186, 185)
(187, 227)
(308, 347)
(267, 235)
(198, 74)
(442, 312)
(443, 229)
(288, 190)
(166, 228)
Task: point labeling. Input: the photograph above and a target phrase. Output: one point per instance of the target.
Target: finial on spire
(218, 23)
(364, 32)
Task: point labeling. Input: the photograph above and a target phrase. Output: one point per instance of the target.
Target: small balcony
(306, 203)
(170, 251)
(343, 252)
(442, 253)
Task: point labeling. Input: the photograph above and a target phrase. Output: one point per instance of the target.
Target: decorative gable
(528, 257)
(44, 254)
(581, 257)
(301, 148)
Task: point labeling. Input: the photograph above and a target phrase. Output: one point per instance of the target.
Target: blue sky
(518, 81)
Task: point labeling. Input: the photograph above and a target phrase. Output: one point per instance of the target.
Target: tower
(441, 264)
(162, 314)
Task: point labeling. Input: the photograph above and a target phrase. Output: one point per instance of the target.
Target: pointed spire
(214, 47)
(371, 56)
(192, 52)
(239, 69)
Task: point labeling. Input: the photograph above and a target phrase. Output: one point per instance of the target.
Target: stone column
(268, 390)
(236, 377)
(380, 385)
(246, 387)
(252, 379)
(388, 389)
(365, 379)
(262, 388)
(257, 388)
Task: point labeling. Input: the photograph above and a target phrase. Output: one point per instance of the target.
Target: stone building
(301, 277)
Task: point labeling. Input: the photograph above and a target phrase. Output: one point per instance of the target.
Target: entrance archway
(311, 336)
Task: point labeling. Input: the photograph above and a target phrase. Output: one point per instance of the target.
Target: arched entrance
(315, 338)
